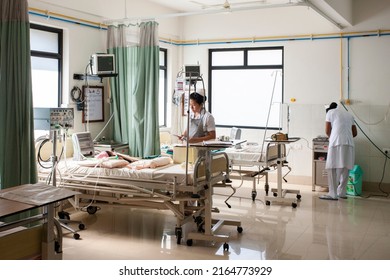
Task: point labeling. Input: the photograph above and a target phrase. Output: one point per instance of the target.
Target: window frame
(245, 66)
(58, 56)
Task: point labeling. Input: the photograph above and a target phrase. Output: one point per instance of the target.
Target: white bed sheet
(164, 173)
(246, 154)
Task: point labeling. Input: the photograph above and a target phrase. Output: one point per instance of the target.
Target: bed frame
(190, 202)
(256, 168)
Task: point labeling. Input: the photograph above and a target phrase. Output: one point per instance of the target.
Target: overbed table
(20, 199)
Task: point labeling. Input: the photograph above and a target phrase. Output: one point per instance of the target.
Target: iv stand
(62, 221)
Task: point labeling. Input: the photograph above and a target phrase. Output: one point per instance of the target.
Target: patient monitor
(82, 145)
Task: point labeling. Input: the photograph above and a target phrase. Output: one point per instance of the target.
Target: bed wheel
(275, 194)
(76, 236)
(57, 247)
(239, 229)
(299, 196)
(179, 235)
(226, 247)
(64, 215)
(91, 210)
(294, 205)
(267, 202)
(81, 226)
(189, 242)
(254, 194)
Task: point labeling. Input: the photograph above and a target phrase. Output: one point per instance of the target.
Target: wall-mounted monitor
(192, 71)
(102, 64)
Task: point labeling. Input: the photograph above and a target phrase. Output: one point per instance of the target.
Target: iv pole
(62, 220)
(269, 111)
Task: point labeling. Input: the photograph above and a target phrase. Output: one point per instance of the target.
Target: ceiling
(199, 5)
(329, 9)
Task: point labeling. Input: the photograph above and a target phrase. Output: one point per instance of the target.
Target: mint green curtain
(135, 91)
(17, 151)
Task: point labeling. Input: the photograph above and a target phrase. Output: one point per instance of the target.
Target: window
(163, 88)
(46, 65)
(246, 87)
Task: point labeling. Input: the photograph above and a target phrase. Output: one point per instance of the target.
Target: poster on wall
(93, 104)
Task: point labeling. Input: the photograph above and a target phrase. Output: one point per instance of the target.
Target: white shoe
(328, 197)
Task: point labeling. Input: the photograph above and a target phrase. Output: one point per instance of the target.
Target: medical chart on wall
(93, 97)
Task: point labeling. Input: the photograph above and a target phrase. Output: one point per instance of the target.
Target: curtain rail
(346, 35)
(60, 17)
(97, 25)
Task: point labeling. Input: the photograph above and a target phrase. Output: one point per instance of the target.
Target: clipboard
(93, 97)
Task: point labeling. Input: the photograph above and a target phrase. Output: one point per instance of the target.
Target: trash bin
(355, 181)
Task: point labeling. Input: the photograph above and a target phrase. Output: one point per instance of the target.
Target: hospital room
(222, 130)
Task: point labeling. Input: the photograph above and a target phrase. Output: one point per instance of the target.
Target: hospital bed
(188, 194)
(249, 161)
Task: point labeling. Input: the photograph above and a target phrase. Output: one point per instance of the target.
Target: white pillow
(115, 163)
(160, 161)
(150, 163)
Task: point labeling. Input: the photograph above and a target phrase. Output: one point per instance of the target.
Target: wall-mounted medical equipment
(82, 145)
(192, 72)
(102, 64)
(53, 118)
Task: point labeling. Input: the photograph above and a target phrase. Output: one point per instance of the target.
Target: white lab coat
(341, 149)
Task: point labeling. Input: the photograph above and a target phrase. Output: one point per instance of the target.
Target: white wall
(316, 73)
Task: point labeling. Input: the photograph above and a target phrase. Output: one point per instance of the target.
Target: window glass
(45, 82)
(161, 103)
(163, 88)
(249, 96)
(246, 98)
(162, 58)
(265, 57)
(43, 41)
(231, 58)
(46, 62)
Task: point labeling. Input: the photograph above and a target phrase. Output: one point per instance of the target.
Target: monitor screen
(103, 64)
(192, 71)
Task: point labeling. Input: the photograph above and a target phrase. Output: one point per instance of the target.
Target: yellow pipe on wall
(200, 41)
(341, 67)
(49, 14)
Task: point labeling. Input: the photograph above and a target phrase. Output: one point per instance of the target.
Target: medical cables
(386, 157)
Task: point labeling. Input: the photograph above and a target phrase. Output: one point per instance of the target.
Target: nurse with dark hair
(202, 124)
(340, 128)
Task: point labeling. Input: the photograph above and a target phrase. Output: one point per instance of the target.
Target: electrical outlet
(386, 151)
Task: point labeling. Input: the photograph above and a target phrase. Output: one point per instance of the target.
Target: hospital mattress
(79, 169)
(246, 153)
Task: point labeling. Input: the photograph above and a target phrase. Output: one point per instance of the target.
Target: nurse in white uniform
(341, 130)
(202, 124)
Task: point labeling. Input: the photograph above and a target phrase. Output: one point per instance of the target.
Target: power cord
(382, 152)
(77, 97)
(386, 194)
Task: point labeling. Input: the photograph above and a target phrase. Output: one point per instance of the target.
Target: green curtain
(135, 91)
(17, 151)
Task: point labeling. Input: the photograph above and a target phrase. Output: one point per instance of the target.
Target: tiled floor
(357, 228)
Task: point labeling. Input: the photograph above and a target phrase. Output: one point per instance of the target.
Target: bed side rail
(272, 152)
(219, 164)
